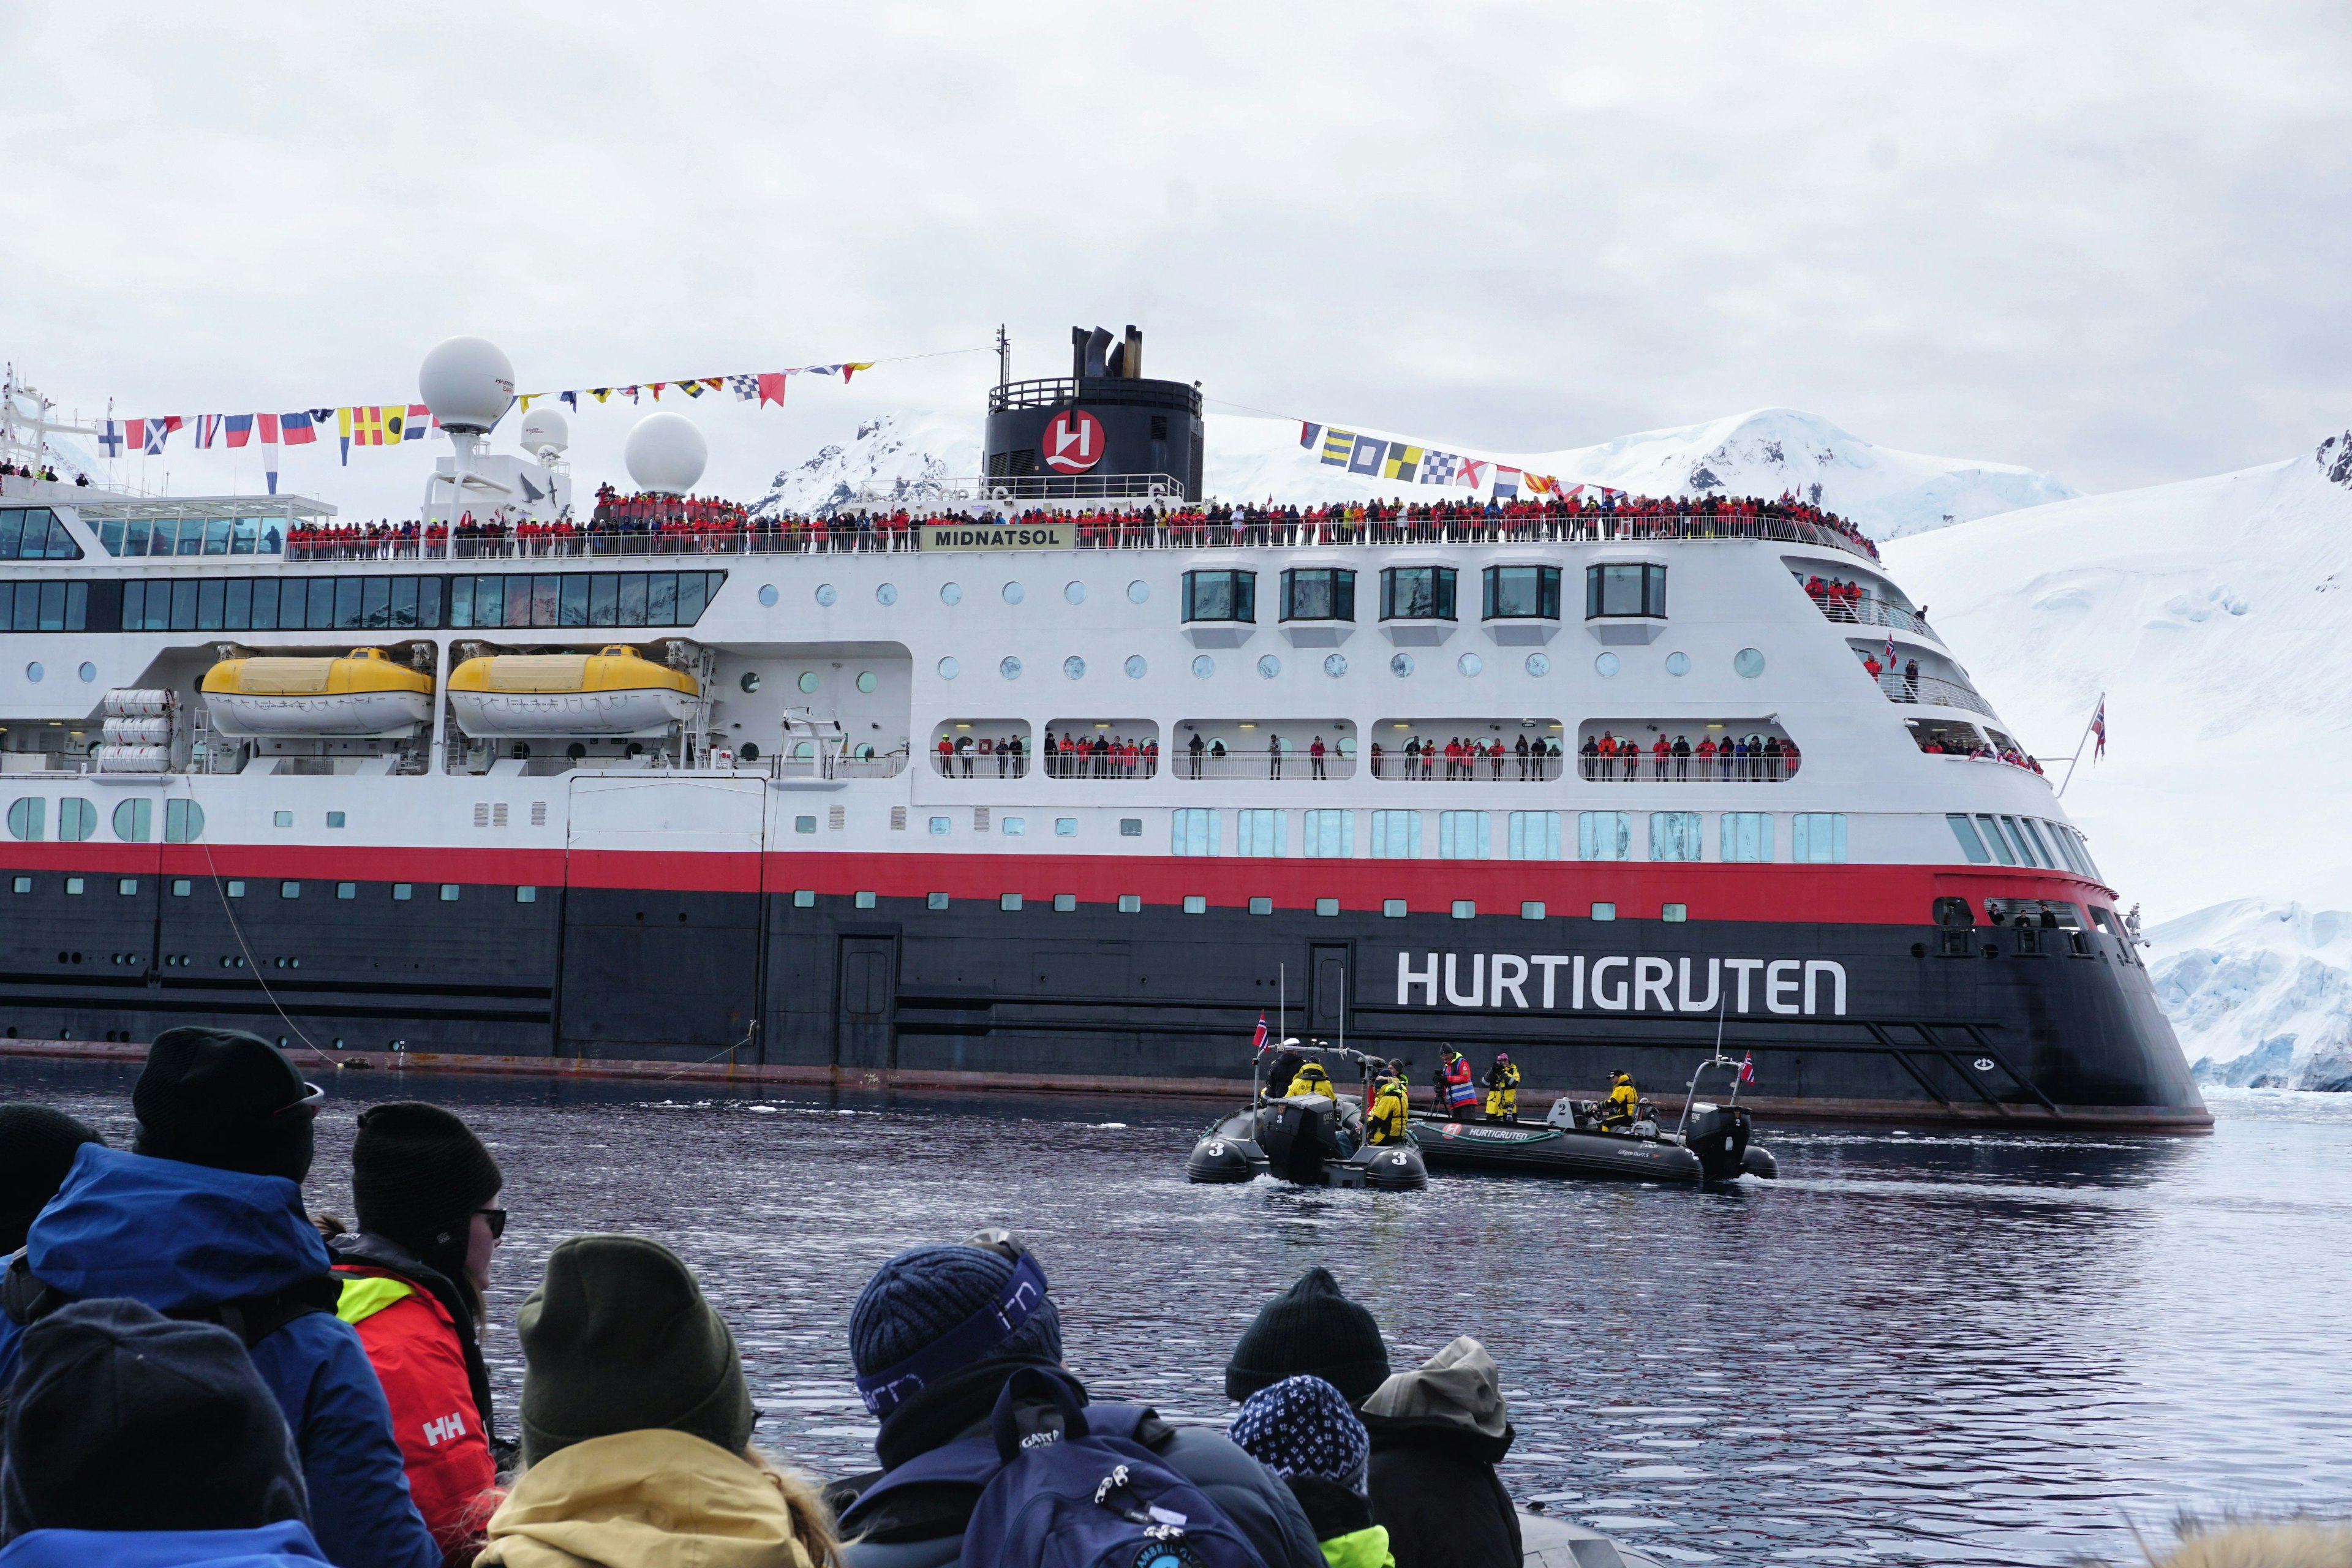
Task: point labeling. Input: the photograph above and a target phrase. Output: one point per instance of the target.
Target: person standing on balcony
(1273, 755)
(1196, 746)
(1314, 758)
(1911, 679)
(1521, 748)
(1681, 759)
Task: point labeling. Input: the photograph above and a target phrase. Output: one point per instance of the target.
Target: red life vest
(1461, 1091)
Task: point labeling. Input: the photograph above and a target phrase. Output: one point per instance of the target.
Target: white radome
(545, 434)
(666, 454)
(467, 383)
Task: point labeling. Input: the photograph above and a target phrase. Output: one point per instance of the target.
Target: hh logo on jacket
(448, 1429)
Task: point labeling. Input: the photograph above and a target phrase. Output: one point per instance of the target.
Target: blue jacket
(285, 1545)
(175, 1236)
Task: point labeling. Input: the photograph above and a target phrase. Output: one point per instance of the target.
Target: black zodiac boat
(1709, 1143)
(1315, 1139)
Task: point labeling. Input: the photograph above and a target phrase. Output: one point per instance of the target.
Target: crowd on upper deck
(641, 523)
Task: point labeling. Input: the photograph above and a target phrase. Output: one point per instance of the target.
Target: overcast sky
(2106, 240)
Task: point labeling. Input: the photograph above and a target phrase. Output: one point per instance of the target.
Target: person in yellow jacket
(1624, 1102)
(1310, 1078)
(636, 1428)
(1384, 1122)
(1502, 1085)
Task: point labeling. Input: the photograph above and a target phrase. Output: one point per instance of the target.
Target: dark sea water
(1929, 1348)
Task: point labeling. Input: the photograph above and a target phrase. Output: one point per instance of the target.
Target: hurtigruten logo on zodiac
(1620, 983)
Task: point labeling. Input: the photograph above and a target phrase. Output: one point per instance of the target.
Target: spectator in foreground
(1311, 1329)
(411, 1282)
(636, 1428)
(1303, 1430)
(137, 1440)
(37, 1145)
(1437, 1433)
(936, 1335)
(206, 1219)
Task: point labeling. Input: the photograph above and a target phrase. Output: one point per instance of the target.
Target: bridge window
(1319, 593)
(1965, 831)
(1525, 592)
(35, 533)
(1226, 594)
(1636, 588)
(1417, 593)
(1818, 838)
(1746, 837)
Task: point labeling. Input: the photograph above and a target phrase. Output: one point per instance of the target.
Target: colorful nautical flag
(368, 428)
(157, 430)
(657, 387)
(2099, 728)
(1439, 467)
(420, 420)
(1306, 434)
(1402, 461)
(853, 368)
(1339, 445)
(600, 393)
(744, 387)
(772, 388)
(110, 437)
(1507, 482)
(296, 429)
(343, 432)
(1366, 458)
(691, 388)
(134, 432)
(207, 430)
(1542, 484)
(268, 423)
(240, 428)
(569, 399)
(1473, 473)
(395, 425)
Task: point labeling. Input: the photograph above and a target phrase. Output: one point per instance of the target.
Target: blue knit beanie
(919, 1296)
(1304, 1426)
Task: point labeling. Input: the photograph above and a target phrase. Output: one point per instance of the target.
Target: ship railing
(888, 535)
(1292, 763)
(980, 765)
(1397, 767)
(830, 766)
(1933, 688)
(1870, 610)
(1723, 767)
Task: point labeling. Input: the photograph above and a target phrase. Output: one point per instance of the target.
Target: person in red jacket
(413, 1277)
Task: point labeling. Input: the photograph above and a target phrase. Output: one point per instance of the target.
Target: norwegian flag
(2099, 728)
(1257, 1041)
(1748, 1067)
(1888, 659)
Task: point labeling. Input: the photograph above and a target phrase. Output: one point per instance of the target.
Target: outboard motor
(1392, 1167)
(1297, 1135)
(1718, 1136)
(1217, 1158)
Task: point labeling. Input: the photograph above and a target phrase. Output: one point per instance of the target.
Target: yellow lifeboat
(614, 692)
(362, 696)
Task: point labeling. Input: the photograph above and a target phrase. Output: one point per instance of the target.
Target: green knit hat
(617, 1338)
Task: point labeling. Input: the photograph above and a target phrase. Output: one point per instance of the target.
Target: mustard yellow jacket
(655, 1498)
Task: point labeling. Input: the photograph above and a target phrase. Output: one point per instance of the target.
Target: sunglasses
(311, 1101)
(498, 1218)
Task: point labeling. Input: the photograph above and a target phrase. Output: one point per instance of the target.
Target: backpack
(27, 1299)
(1066, 1497)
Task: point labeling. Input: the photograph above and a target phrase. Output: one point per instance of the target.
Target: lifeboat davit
(615, 692)
(364, 696)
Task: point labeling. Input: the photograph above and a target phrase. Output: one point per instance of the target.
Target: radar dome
(467, 383)
(545, 434)
(666, 454)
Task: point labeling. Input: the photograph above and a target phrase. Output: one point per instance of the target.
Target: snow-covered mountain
(906, 457)
(2216, 615)
(1768, 452)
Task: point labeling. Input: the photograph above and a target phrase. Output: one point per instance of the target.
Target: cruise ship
(1060, 780)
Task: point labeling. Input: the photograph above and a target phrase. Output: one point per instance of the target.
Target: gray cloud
(2107, 241)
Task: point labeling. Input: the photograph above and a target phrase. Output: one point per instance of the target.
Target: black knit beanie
(37, 1146)
(417, 1175)
(126, 1420)
(225, 1099)
(617, 1338)
(1310, 1330)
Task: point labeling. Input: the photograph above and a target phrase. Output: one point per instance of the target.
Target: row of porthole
(867, 680)
(1747, 663)
(36, 671)
(887, 594)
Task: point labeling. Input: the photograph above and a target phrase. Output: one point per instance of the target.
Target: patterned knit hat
(1304, 1426)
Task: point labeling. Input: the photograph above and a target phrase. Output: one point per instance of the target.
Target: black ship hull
(1880, 1021)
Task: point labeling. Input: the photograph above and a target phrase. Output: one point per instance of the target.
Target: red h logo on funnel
(1073, 443)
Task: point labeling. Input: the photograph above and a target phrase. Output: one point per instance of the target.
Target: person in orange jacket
(413, 1277)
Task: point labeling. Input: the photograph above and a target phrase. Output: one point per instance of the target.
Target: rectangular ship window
(1130, 903)
(1392, 908)
(1326, 906)
(1604, 911)
(1065, 903)
(1008, 901)
(1196, 904)
(1675, 913)
(1261, 905)
(803, 825)
(1065, 827)
(1465, 909)
(940, 827)
(403, 891)
(935, 900)
(861, 900)
(1531, 911)
(803, 897)
(1965, 831)
(1130, 827)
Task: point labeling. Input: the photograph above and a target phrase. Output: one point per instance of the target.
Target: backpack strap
(1035, 1406)
(931, 1494)
(27, 1299)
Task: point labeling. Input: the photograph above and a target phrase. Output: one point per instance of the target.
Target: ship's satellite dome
(467, 383)
(544, 433)
(666, 454)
